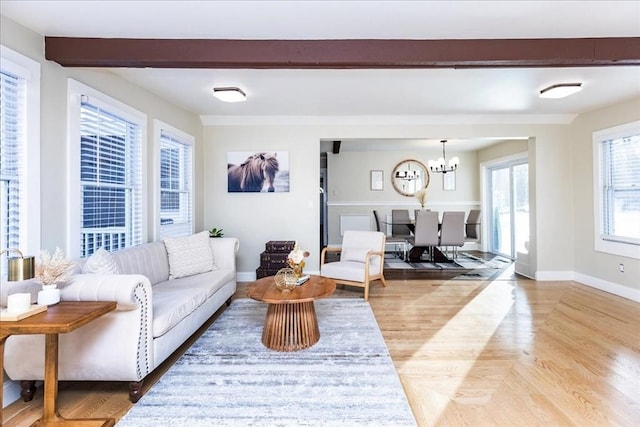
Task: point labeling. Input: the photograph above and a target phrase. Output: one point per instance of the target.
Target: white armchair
(361, 260)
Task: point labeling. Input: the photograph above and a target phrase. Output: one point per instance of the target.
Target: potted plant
(216, 232)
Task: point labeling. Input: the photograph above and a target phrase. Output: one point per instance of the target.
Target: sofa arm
(128, 290)
(224, 251)
(30, 286)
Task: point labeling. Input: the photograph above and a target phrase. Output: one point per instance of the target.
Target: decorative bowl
(285, 279)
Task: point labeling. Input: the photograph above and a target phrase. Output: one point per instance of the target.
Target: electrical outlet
(621, 268)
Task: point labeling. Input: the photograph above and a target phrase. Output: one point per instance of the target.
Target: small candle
(18, 303)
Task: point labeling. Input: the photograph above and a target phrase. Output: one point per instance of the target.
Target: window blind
(12, 150)
(620, 216)
(110, 179)
(176, 196)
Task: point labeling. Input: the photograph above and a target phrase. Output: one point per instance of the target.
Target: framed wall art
(257, 172)
(449, 181)
(377, 180)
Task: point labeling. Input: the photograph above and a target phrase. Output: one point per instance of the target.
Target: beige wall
(502, 149)
(258, 218)
(53, 127)
(349, 191)
(588, 262)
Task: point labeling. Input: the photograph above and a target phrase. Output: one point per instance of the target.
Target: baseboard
(547, 276)
(11, 392)
(610, 287)
(243, 276)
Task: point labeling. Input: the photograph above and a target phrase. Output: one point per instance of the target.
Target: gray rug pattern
(464, 261)
(489, 270)
(228, 378)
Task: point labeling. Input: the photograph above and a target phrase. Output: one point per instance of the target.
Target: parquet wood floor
(512, 352)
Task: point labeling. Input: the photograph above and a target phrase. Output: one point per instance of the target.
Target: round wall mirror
(410, 176)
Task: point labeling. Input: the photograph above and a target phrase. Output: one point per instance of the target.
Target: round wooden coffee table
(291, 323)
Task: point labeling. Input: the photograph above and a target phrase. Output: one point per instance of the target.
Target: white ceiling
(507, 92)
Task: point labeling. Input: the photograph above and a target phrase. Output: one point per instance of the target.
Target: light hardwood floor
(501, 353)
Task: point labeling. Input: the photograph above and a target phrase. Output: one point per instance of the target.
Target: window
(107, 140)
(175, 181)
(617, 186)
(19, 153)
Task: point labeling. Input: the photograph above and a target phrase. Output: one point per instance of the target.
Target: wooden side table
(61, 318)
(291, 323)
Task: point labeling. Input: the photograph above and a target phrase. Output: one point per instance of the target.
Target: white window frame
(29, 70)
(75, 91)
(610, 246)
(158, 128)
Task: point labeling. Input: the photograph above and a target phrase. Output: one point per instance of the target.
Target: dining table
(416, 252)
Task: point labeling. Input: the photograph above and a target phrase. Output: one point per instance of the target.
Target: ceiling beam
(338, 54)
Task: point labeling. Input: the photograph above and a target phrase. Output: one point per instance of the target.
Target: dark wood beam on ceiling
(336, 54)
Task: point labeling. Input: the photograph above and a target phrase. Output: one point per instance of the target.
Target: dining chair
(400, 217)
(361, 260)
(395, 241)
(452, 230)
(472, 226)
(426, 231)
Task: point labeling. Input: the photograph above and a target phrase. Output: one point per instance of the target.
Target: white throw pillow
(189, 255)
(354, 254)
(101, 262)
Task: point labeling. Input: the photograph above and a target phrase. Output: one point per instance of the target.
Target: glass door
(509, 207)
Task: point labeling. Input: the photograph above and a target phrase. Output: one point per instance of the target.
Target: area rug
(471, 267)
(228, 378)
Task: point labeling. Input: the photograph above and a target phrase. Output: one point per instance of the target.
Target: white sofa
(154, 316)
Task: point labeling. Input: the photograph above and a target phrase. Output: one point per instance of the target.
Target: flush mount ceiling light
(560, 90)
(229, 94)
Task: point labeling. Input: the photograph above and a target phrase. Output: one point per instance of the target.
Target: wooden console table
(291, 323)
(61, 318)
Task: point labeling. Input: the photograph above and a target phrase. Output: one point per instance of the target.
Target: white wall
(597, 268)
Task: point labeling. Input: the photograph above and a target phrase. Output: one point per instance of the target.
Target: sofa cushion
(210, 281)
(171, 304)
(101, 262)
(346, 270)
(148, 259)
(189, 255)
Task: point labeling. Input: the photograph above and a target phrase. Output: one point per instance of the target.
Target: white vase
(49, 295)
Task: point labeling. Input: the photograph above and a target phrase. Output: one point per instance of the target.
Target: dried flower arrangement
(295, 259)
(421, 195)
(53, 270)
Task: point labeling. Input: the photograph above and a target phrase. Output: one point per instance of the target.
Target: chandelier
(408, 175)
(440, 165)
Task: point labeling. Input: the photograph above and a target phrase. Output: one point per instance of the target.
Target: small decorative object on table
(51, 271)
(296, 260)
(285, 280)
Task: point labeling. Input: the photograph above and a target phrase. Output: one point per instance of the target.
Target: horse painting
(254, 174)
